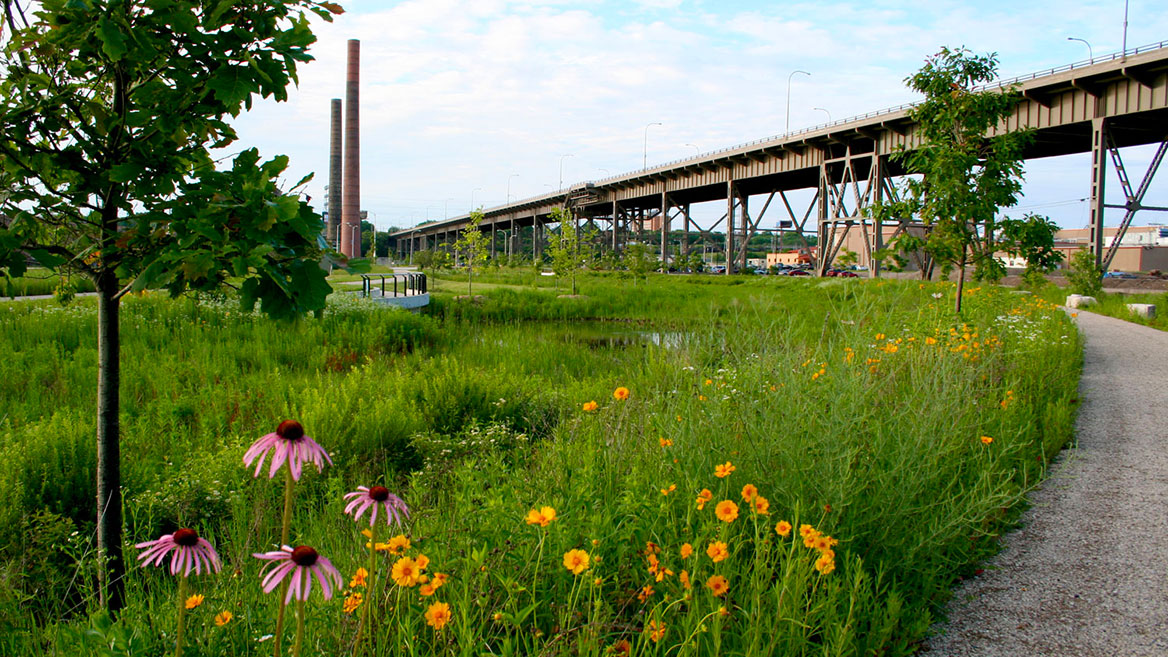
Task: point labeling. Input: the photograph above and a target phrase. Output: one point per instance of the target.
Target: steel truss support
(1102, 146)
(843, 205)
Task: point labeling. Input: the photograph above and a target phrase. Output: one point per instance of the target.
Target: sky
(463, 103)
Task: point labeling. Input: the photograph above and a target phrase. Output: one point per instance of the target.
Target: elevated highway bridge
(1097, 106)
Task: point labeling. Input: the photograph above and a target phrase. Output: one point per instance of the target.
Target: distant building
(788, 258)
(1143, 248)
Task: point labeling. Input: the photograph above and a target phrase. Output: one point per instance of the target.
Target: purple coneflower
(302, 562)
(365, 497)
(190, 551)
(288, 443)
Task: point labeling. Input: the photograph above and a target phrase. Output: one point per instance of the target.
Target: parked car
(1119, 274)
(798, 272)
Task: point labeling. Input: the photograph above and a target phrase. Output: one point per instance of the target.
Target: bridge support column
(729, 227)
(879, 169)
(820, 262)
(1099, 148)
(494, 230)
(664, 226)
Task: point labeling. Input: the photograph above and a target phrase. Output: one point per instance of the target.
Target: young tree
(108, 110)
(846, 258)
(637, 261)
(472, 247)
(568, 252)
(968, 171)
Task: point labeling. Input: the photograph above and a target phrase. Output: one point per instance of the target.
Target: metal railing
(411, 284)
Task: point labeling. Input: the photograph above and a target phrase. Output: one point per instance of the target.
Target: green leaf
(125, 172)
(45, 258)
(232, 85)
(113, 42)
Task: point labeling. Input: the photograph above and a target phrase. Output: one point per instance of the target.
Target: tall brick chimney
(334, 179)
(351, 206)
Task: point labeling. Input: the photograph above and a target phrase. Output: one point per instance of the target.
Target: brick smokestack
(334, 179)
(351, 205)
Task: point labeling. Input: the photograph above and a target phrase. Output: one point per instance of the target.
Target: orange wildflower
(726, 511)
(665, 442)
(541, 517)
(762, 506)
(405, 572)
(620, 394)
(703, 497)
(724, 470)
(783, 528)
(686, 550)
(656, 630)
(718, 585)
(576, 561)
(590, 406)
(749, 491)
(438, 615)
(717, 551)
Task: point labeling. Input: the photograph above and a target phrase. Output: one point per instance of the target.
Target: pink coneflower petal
(187, 550)
(365, 498)
(288, 445)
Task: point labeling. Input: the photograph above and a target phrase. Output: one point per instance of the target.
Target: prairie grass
(864, 410)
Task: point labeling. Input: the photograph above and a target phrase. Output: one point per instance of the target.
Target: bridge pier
(1102, 146)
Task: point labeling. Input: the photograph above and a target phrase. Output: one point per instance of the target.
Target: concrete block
(1147, 310)
(1080, 301)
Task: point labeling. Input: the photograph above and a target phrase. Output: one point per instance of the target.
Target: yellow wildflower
(576, 561)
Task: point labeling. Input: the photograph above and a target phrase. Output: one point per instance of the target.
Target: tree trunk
(111, 572)
(960, 281)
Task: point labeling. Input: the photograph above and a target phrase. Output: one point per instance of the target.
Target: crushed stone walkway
(1086, 575)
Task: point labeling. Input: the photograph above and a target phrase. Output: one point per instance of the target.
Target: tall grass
(858, 408)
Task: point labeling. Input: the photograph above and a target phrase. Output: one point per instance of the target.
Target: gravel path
(1087, 573)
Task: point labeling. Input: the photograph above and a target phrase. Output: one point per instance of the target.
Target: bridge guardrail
(412, 283)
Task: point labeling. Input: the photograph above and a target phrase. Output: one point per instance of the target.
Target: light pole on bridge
(1090, 51)
(825, 112)
(514, 175)
(787, 130)
(645, 151)
(562, 168)
(472, 193)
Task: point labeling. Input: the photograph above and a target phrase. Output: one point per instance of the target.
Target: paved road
(1087, 573)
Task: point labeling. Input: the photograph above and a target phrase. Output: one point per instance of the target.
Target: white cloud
(460, 95)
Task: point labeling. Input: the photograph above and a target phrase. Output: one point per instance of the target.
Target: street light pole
(472, 193)
(645, 152)
(445, 205)
(1124, 56)
(1090, 51)
(787, 130)
(824, 111)
(695, 146)
(514, 175)
(562, 168)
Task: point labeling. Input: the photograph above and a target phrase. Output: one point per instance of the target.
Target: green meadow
(872, 448)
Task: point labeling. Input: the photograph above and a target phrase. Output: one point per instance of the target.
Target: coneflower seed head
(186, 537)
(290, 430)
(379, 493)
(304, 556)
